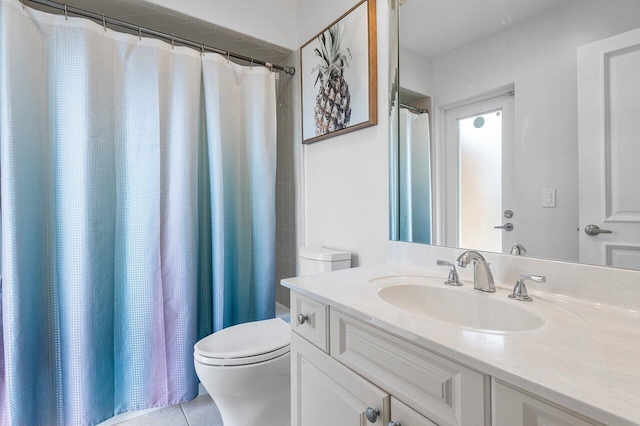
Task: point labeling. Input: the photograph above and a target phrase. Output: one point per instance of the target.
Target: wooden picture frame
(339, 76)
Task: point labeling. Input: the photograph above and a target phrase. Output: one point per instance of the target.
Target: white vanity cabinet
(342, 367)
(353, 367)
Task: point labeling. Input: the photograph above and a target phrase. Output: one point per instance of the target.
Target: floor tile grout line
(184, 413)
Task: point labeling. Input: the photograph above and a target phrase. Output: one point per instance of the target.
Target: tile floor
(202, 411)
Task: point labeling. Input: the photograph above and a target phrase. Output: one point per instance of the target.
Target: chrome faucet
(482, 277)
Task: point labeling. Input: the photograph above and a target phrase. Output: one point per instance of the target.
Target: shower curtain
(138, 214)
(414, 174)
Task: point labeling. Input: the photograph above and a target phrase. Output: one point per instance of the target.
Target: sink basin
(461, 306)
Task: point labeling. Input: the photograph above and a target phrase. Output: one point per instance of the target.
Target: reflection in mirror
(516, 128)
(414, 165)
(394, 110)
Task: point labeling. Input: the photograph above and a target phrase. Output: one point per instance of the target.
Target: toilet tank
(317, 260)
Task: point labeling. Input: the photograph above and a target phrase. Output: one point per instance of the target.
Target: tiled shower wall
(289, 195)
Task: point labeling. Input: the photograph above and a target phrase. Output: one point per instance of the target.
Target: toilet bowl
(246, 370)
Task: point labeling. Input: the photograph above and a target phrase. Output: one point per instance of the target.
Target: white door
(609, 146)
(324, 392)
(478, 169)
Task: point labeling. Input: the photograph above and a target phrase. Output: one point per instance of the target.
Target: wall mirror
(516, 128)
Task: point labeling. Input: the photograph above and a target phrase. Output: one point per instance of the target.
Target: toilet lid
(246, 340)
(234, 362)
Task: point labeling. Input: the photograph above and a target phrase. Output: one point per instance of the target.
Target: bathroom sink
(463, 306)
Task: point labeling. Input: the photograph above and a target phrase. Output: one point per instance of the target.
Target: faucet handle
(520, 290)
(454, 279)
(518, 249)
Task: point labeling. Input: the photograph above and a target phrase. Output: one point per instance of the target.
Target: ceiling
(432, 27)
(150, 15)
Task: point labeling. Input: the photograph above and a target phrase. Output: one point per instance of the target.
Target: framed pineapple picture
(339, 76)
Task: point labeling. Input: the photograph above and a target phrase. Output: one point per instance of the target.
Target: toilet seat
(230, 362)
(245, 344)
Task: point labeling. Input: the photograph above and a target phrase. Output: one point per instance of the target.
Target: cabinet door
(327, 393)
(446, 392)
(513, 408)
(403, 415)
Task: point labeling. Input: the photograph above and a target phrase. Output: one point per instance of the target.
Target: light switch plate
(549, 198)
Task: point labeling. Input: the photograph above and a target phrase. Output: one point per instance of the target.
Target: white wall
(273, 21)
(539, 56)
(346, 177)
(415, 72)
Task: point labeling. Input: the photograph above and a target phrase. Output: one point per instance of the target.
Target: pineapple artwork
(333, 102)
(338, 74)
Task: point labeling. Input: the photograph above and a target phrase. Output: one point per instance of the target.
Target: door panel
(327, 393)
(609, 142)
(446, 392)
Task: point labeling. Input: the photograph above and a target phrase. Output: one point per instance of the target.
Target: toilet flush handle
(302, 318)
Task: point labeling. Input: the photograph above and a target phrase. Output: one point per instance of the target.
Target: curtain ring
(228, 57)
(66, 13)
(251, 64)
(173, 42)
(104, 23)
(140, 32)
(201, 49)
(270, 66)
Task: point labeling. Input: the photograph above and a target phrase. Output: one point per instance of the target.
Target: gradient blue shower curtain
(138, 214)
(414, 178)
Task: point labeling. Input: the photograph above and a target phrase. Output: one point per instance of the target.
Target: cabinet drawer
(445, 392)
(406, 416)
(514, 408)
(315, 325)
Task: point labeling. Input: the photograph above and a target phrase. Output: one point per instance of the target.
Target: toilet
(318, 260)
(246, 368)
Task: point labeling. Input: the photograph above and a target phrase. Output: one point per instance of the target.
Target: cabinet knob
(302, 318)
(394, 424)
(372, 414)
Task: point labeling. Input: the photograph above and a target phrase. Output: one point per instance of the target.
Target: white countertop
(586, 357)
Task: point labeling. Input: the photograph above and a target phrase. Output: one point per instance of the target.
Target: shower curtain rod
(104, 20)
(414, 109)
